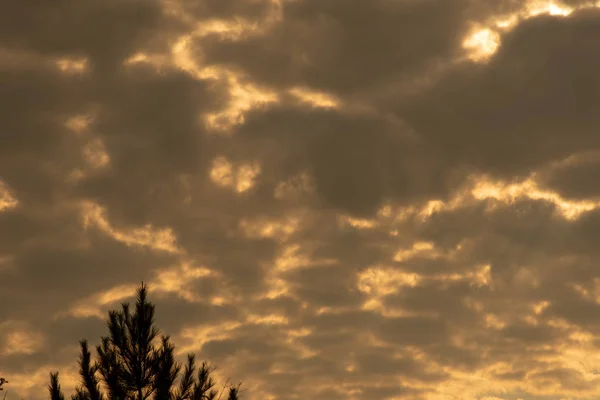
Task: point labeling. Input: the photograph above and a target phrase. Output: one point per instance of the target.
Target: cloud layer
(332, 199)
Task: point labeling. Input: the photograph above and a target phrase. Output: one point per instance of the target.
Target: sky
(329, 199)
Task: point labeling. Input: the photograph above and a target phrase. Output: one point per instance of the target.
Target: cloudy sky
(330, 199)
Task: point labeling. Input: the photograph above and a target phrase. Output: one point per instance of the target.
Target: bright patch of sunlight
(22, 341)
(314, 98)
(358, 223)
(428, 208)
(484, 39)
(147, 236)
(7, 199)
(540, 7)
(292, 258)
(539, 307)
(72, 66)
(246, 177)
(228, 29)
(115, 294)
(80, 123)
(492, 321)
(196, 337)
(94, 151)
(479, 276)
(177, 279)
(222, 172)
(280, 229)
(482, 276)
(227, 296)
(95, 154)
(158, 61)
(379, 281)
(272, 319)
(240, 179)
(182, 58)
(233, 30)
(245, 96)
(482, 43)
(480, 188)
(276, 287)
(93, 305)
(292, 336)
(467, 385)
(510, 192)
(581, 337)
(557, 356)
(376, 305)
(583, 292)
(174, 279)
(576, 354)
(418, 248)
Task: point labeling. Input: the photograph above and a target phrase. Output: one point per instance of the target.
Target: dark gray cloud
(346, 47)
(534, 102)
(574, 181)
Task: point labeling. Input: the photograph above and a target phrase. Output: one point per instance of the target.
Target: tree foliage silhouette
(131, 367)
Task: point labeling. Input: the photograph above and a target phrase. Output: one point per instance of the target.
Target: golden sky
(330, 199)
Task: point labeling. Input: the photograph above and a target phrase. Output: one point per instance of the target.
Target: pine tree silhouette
(2, 382)
(54, 388)
(132, 368)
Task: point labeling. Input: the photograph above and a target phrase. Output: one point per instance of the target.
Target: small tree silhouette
(2, 382)
(132, 368)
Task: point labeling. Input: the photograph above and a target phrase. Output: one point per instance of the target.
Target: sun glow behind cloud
(7, 198)
(485, 37)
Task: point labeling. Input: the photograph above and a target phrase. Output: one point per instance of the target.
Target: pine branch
(234, 392)
(203, 388)
(187, 380)
(79, 395)
(87, 371)
(54, 388)
(165, 370)
(112, 370)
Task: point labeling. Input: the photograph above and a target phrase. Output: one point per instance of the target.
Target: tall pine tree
(133, 368)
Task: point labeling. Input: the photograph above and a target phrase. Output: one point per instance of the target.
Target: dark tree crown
(131, 367)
